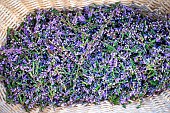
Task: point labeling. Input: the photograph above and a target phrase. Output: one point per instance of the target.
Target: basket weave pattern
(12, 12)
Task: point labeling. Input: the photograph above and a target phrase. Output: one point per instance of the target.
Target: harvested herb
(98, 53)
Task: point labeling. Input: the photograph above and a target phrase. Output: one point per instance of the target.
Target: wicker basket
(12, 12)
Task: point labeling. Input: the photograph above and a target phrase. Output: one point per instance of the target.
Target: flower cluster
(113, 53)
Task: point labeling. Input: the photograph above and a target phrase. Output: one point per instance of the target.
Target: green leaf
(33, 67)
(140, 53)
(109, 48)
(8, 31)
(42, 108)
(2, 57)
(30, 73)
(124, 105)
(152, 42)
(97, 88)
(151, 73)
(20, 98)
(87, 40)
(154, 83)
(90, 19)
(147, 46)
(16, 38)
(133, 64)
(123, 35)
(13, 36)
(86, 84)
(27, 58)
(97, 64)
(141, 95)
(123, 67)
(127, 49)
(134, 49)
(19, 83)
(113, 74)
(83, 38)
(146, 86)
(127, 34)
(9, 100)
(153, 32)
(117, 3)
(2, 78)
(114, 99)
(115, 43)
(139, 106)
(116, 71)
(54, 11)
(37, 67)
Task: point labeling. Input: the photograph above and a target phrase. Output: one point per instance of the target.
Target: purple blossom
(117, 80)
(75, 20)
(81, 18)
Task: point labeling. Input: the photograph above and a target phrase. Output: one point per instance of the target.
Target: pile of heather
(113, 53)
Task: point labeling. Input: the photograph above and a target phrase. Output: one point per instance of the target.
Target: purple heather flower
(74, 21)
(122, 100)
(81, 18)
(158, 39)
(29, 18)
(51, 47)
(3, 62)
(30, 106)
(115, 62)
(167, 55)
(49, 68)
(38, 17)
(15, 58)
(117, 80)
